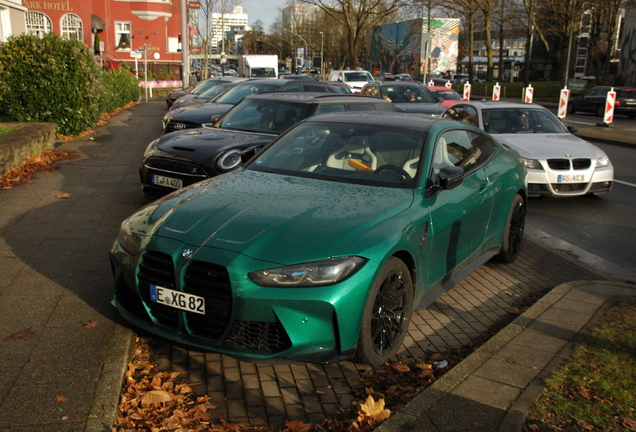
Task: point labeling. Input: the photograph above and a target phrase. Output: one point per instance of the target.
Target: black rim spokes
(388, 312)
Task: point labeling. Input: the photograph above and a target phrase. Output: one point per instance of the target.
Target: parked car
(355, 79)
(206, 96)
(404, 77)
(182, 158)
(439, 81)
(559, 163)
(594, 99)
(323, 244)
(344, 88)
(199, 88)
(406, 96)
(196, 116)
(448, 96)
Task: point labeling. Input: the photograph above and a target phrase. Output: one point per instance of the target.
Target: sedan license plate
(177, 299)
(167, 181)
(578, 178)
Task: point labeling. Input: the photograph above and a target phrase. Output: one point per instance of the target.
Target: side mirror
(451, 177)
(214, 119)
(249, 153)
(572, 129)
(440, 99)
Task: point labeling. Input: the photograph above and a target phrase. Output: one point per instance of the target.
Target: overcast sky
(264, 10)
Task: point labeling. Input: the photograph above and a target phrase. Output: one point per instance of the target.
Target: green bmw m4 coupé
(320, 247)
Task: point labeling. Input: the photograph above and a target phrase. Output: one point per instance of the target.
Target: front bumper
(566, 183)
(243, 320)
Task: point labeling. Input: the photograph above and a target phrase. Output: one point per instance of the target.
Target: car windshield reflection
(360, 154)
(514, 121)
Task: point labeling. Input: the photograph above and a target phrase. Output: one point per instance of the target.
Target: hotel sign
(49, 5)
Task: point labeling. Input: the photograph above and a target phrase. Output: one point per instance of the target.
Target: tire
(571, 109)
(513, 235)
(387, 314)
(600, 111)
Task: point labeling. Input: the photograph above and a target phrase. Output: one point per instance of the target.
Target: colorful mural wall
(397, 47)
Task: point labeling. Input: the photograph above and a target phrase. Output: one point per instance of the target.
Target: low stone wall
(29, 139)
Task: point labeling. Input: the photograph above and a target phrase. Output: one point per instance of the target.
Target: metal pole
(301, 38)
(567, 63)
(322, 57)
(185, 46)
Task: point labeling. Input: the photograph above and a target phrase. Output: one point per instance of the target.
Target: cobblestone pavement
(268, 395)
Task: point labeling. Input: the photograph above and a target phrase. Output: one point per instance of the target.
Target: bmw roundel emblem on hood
(568, 155)
(187, 253)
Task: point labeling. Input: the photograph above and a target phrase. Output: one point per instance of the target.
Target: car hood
(199, 113)
(275, 218)
(419, 108)
(203, 146)
(549, 146)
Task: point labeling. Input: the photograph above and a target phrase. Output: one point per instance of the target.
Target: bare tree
(603, 30)
(357, 17)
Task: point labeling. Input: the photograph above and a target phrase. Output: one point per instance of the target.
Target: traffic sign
(529, 94)
(496, 91)
(467, 91)
(563, 103)
(610, 101)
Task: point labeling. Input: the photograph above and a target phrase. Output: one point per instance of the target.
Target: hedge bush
(117, 88)
(50, 80)
(58, 81)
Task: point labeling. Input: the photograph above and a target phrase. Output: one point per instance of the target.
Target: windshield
(240, 91)
(520, 120)
(263, 72)
(358, 76)
(409, 93)
(347, 153)
(447, 94)
(255, 115)
(216, 90)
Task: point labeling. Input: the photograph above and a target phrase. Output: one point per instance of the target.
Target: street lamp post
(322, 57)
(301, 38)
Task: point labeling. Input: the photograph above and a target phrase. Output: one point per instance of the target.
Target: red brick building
(115, 29)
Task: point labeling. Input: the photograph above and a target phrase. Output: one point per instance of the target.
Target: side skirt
(457, 277)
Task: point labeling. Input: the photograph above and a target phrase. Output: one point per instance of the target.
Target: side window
(458, 113)
(462, 148)
(324, 109)
(315, 88)
(294, 88)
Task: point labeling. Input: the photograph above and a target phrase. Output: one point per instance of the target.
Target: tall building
(115, 29)
(226, 22)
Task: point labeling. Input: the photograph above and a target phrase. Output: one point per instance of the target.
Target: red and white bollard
(529, 94)
(609, 106)
(431, 83)
(467, 91)
(448, 84)
(496, 91)
(563, 102)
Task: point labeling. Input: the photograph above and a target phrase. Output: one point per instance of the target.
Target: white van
(355, 79)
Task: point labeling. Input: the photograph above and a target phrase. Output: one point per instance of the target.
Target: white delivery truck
(258, 66)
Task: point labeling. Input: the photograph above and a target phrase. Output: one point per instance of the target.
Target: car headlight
(532, 164)
(229, 160)
(312, 274)
(129, 240)
(602, 161)
(150, 147)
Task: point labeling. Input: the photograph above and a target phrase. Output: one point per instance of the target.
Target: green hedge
(58, 81)
(117, 88)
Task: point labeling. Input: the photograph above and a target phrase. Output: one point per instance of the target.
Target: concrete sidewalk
(57, 374)
(55, 277)
(499, 383)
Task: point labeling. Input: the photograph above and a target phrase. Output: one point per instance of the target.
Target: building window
(38, 24)
(72, 27)
(122, 35)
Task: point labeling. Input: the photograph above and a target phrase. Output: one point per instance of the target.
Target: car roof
(382, 118)
(397, 83)
(317, 97)
(498, 104)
